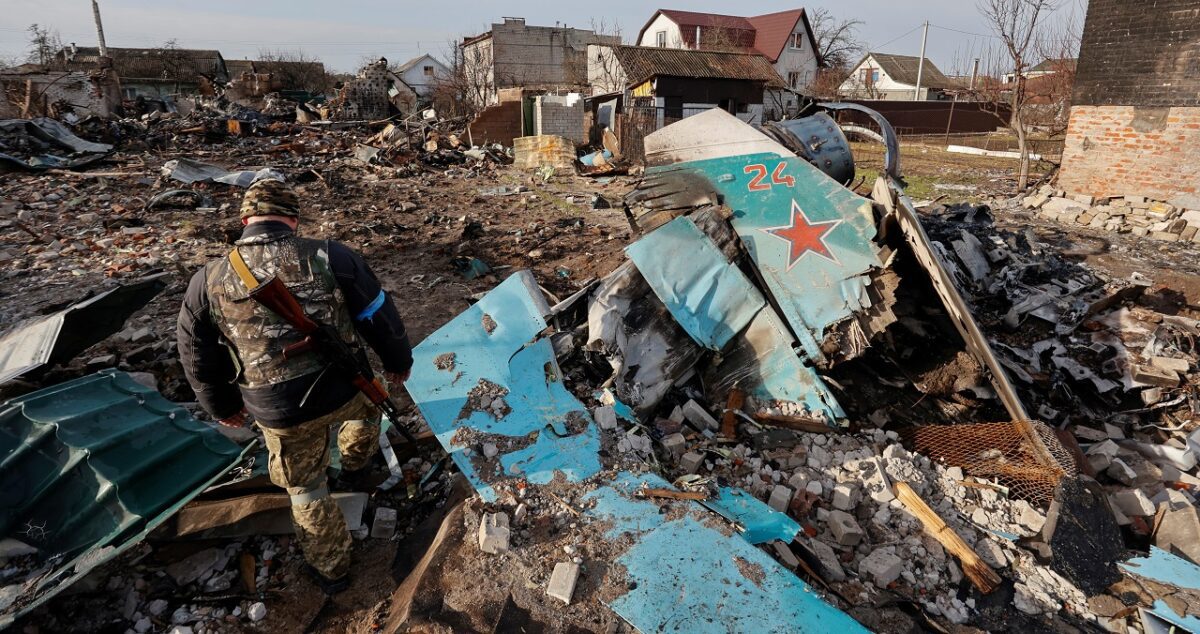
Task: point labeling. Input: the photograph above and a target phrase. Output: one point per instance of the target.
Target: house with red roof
(785, 38)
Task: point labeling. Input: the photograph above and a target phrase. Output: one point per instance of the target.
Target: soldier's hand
(237, 420)
(398, 378)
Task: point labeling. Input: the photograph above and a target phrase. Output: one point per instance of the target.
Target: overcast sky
(343, 33)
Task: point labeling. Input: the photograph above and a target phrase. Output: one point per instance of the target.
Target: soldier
(232, 350)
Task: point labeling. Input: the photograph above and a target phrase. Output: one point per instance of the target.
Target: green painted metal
(90, 466)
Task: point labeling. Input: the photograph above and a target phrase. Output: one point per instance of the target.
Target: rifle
(322, 338)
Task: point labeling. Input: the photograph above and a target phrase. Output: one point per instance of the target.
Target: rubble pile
(1157, 219)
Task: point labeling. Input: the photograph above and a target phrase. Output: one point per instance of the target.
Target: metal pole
(974, 73)
(921, 63)
(99, 28)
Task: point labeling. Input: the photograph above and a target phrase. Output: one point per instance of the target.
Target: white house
(421, 74)
(784, 38)
(885, 76)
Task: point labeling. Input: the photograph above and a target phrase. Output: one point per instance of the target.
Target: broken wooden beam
(737, 398)
(979, 573)
(798, 423)
(672, 494)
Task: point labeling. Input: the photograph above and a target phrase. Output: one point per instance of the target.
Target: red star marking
(804, 236)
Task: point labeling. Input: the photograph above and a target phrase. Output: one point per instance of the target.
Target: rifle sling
(243, 271)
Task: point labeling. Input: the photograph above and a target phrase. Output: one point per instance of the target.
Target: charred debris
(796, 394)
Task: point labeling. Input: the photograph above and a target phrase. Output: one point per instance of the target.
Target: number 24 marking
(760, 174)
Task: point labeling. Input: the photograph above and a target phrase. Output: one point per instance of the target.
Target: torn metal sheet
(889, 194)
(811, 239)
(189, 171)
(707, 295)
(90, 467)
(59, 147)
(1161, 619)
(758, 522)
(687, 576)
(60, 336)
(489, 376)
(648, 349)
(1165, 568)
(762, 363)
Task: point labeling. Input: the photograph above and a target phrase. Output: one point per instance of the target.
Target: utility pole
(99, 28)
(974, 73)
(921, 63)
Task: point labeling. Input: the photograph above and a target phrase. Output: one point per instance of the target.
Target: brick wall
(1139, 53)
(1135, 124)
(1119, 150)
(559, 116)
(498, 123)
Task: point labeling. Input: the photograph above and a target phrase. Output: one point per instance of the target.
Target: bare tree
(1018, 23)
(44, 44)
(295, 70)
(835, 40)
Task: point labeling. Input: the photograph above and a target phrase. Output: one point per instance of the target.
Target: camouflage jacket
(231, 347)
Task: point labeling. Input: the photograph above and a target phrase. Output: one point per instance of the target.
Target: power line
(877, 47)
(946, 28)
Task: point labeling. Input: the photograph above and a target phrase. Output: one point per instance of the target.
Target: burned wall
(56, 93)
(1135, 125)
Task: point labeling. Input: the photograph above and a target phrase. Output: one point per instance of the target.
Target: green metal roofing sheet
(93, 465)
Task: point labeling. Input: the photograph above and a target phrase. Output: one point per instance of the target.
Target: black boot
(327, 585)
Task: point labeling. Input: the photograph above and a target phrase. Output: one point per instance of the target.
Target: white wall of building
(882, 87)
(662, 24)
(422, 80)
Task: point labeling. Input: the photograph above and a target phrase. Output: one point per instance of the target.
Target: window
(797, 40)
(870, 76)
(428, 71)
(660, 39)
(794, 79)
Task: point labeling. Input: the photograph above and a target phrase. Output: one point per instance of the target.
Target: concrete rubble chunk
(1179, 533)
(1121, 472)
(384, 526)
(881, 567)
(781, 498)
(257, 612)
(845, 528)
(1133, 503)
(194, 567)
(675, 444)
(843, 497)
(494, 533)
(785, 555)
(698, 416)
(990, 552)
(1170, 364)
(563, 580)
(831, 566)
(691, 462)
(605, 417)
(1150, 375)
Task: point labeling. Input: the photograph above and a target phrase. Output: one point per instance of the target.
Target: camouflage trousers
(299, 456)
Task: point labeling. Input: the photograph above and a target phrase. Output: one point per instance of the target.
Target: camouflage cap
(270, 197)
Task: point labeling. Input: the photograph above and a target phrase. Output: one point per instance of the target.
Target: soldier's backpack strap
(243, 271)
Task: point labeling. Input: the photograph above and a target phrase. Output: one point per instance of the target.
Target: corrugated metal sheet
(89, 467)
(643, 62)
(60, 336)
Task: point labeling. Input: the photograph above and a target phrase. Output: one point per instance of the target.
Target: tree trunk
(1018, 126)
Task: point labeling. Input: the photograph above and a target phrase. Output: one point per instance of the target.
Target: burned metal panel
(707, 295)
(763, 363)
(757, 522)
(488, 376)
(60, 336)
(649, 351)
(686, 575)
(889, 194)
(1165, 568)
(90, 467)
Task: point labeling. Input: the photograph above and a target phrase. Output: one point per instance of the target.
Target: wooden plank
(737, 398)
(798, 423)
(979, 573)
(672, 494)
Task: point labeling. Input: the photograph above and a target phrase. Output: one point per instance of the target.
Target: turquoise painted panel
(710, 298)
(1163, 567)
(760, 522)
(689, 577)
(496, 344)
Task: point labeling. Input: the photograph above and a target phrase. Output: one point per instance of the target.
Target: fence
(933, 117)
(637, 121)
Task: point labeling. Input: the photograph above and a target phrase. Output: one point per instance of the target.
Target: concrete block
(1084, 199)
(384, 526)
(1121, 472)
(785, 555)
(845, 528)
(563, 580)
(781, 498)
(494, 533)
(605, 417)
(831, 566)
(1169, 364)
(1179, 532)
(881, 567)
(844, 497)
(691, 461)
(1150, 375)
(675, 444)
(698, 416)
(1132, 503)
